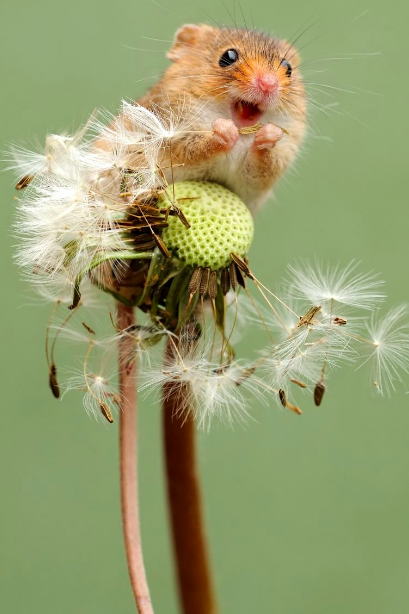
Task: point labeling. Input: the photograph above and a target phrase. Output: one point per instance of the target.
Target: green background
(306, 515)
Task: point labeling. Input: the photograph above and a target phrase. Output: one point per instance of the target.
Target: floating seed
(294, 408)
(283, 397)
(319, 393)
(88, 328)
(298, 383)
(285, 403)
(106, 412)
(308, 317)
(24, 182)
(55, 389)
(340, 321)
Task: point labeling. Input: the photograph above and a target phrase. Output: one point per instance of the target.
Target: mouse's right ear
(185, 38)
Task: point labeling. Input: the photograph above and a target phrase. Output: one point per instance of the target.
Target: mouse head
(252, 71)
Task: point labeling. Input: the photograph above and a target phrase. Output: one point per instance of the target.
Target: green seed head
(220, 224)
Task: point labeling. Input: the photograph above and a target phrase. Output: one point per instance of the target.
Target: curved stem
(128, 466)
(185, 506)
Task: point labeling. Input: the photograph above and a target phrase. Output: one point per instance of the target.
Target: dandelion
(98, 213)
(97, 218)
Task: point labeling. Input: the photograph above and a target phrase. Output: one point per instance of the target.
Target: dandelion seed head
(95, 213)
(220, 224)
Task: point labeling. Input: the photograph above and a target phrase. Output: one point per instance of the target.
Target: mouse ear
(185, 37)
(292, 52)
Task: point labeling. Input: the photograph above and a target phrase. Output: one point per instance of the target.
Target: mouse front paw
(267, 137)
(225, 134)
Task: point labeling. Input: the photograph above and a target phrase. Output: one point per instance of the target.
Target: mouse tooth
(240, 107)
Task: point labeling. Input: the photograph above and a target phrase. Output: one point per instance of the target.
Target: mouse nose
(267, 83)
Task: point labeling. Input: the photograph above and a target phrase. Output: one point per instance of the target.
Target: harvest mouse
(230, 79)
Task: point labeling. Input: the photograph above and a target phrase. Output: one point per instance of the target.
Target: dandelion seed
(294, 408)
(319, 393)
(389, 349)
(298, 383)
(307, 319)
(88, 328)
(218, 395)
(106, 412)
(53, 381)
(283, 397)
(99, 397)
(24, 182)
(328, 285)
(142, 338)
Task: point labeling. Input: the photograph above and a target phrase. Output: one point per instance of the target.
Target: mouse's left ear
(291, 52)
(185, 37)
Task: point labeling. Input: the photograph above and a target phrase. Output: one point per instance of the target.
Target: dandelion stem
(128, 467)
(185, 507)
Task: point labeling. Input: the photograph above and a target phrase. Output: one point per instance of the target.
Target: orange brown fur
(247, 164)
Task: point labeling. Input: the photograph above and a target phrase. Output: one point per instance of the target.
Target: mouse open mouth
(246, 113)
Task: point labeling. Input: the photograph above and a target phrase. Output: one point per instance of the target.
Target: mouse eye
(229, 57)
(287, 66)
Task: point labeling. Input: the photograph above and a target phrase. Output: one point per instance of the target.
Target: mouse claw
(267, 137)
(225, 134)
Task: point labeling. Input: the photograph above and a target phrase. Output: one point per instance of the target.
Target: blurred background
(306, 515)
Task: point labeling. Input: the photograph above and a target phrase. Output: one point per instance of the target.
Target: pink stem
(185, 505)
(128, 466)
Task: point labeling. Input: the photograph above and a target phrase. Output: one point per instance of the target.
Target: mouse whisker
(331, 87)
(298, 36)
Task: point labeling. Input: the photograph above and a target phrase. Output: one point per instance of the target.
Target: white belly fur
(227, 169)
